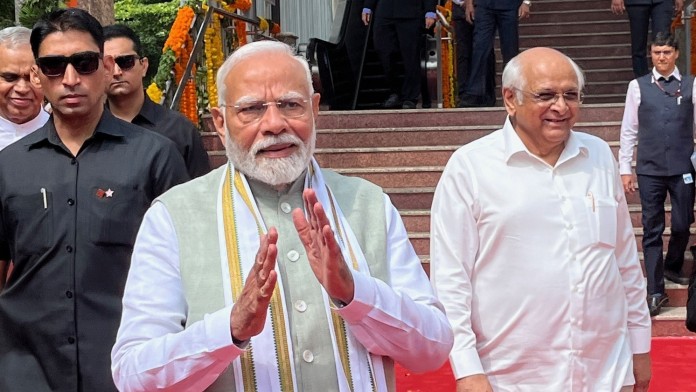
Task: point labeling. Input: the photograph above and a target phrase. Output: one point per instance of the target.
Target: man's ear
(219, 122)
(145, 65)
(108, 68)
(34, 76)
(510, 101)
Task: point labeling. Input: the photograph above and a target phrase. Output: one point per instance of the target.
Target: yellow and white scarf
(267, 365)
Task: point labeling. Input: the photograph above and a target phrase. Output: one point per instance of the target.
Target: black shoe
(393, 102)
(676, 277)
(656, 302)
(408, 105)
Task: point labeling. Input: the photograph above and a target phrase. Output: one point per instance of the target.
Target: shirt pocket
(118, 216)
(30, 222)
(601, 211)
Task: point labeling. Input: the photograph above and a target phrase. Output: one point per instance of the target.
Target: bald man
(20, 101)
(541, 279)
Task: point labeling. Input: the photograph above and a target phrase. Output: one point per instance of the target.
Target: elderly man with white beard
(270, 273)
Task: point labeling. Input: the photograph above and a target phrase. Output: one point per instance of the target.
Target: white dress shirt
(629, 124)
(402, 320)
(11, 132)
(537, 266)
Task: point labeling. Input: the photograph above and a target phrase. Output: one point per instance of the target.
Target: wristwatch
(528, 3)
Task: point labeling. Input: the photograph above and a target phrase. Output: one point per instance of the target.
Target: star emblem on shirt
(109, 193)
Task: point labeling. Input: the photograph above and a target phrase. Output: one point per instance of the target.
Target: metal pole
(687, 16)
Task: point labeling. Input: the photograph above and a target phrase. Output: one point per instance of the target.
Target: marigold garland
(154, 93)
(240, 28)
(177, 50)
(214, 56)
(180, 44)
(269, 26)
(448, 69)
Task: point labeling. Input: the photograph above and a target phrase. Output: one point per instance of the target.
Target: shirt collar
(108, 126)
(657, 75)
(514, 145)
(148, 111)
(28, 127)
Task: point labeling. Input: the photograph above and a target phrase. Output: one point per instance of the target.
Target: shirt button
(71, 340)
(69, 249)
(293, 255)
(569, 226)
(73, 161)
(285, 207)
(71, 202)
(301, 306)
(308, 356)
(68, 294)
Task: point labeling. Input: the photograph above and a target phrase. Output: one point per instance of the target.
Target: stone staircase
(588, 32)
(406, 151)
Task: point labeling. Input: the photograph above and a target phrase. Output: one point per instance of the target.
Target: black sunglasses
(84, 63)
(126, 61)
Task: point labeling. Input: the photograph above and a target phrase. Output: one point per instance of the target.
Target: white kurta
(11, 132)
(537, 266)
(402, 320)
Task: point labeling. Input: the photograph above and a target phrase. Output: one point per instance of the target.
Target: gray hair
(14, 37)
(253, 49)
(514, 79)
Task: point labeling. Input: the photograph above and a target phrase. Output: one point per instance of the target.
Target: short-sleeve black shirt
(69, 224)
(178, 129)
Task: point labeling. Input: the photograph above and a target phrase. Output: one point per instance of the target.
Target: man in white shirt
(20, 101)
(659, 117)
(532, 250)
(269, 273)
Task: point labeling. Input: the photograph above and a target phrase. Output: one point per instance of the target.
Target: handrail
(213, 7)
(358, 81)
(687, 16)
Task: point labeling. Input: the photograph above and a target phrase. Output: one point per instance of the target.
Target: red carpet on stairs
(673, 360)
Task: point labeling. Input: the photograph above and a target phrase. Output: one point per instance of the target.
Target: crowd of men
(126, 264)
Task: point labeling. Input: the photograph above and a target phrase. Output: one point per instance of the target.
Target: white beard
(271, 171)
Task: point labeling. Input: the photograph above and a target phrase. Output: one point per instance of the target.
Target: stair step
(532, 28)
(446, 117)
(670, 322)
(540, 15)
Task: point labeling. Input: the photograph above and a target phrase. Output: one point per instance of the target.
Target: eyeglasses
(548, 98)
(253, 111)
(84, 63)
(127, 61)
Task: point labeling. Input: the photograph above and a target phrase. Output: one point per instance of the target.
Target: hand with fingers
(469, 11)
(249, 311)
(323, 251)
(618, 7)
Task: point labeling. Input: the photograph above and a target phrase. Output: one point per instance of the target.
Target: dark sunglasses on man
(127, 61)
(84, 63)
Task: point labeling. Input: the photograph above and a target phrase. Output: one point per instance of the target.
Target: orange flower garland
(448, 74)
(181, 43)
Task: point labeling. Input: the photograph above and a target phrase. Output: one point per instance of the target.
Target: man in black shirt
(72, 195)
(128, 101)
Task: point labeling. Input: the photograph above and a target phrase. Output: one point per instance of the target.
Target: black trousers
(486, 23)
(464, 43)
(657, 16)
(394, 38)
(653, 193)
